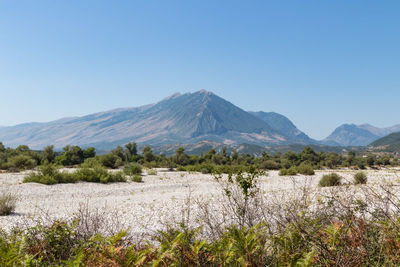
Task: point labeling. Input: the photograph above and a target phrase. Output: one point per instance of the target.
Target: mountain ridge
(179, 118)
(358, 135)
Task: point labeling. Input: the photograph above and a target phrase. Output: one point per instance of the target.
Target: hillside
(389, 143)
(357, 135)
(283, 125)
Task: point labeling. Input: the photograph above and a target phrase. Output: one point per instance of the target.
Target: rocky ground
(145, 207)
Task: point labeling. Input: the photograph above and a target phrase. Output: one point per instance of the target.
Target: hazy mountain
(180, 118)
(283, 125)
(357, 135)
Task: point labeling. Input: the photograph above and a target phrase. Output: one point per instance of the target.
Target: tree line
(23, 158)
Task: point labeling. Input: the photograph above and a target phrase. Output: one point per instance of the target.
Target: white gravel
(141, 206)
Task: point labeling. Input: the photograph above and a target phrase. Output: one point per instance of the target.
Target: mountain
(179, 119)
(357, 135)
(389, 143)
(283, 125)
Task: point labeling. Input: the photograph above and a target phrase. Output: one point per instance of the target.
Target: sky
(320, 63)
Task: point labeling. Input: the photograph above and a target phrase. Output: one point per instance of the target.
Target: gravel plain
(143, 207)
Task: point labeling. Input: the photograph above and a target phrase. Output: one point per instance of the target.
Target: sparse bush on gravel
(98, 175)
(133, 169)
(305, 169)
(152, 172)
(288, 172)
(8, 203)
(333, 229)
(360, 178)
(137, 178)
(49, 174)
(332, 179)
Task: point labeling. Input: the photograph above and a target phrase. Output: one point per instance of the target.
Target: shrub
(360, 178)
(305, 169)
(332, 179)
(49, 174)
(137, 178)
(21, 162)
(152, 172)
(206, 168)
(8, 202)
(110, 161)
(98, 175)
(91, 162)
(133, 169)
(270, 165)
(286, 172)
(181, 169)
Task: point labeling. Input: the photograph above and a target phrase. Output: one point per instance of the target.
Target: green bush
(110, 161)
(270, 165)
(49, 174)
(332, 179)
(305, 169)
(205, 168)
(91, 162)
(7, 203)
(21, 162)
(287, 172)
(360, 178)
(98, 175)
(181, 169)
(132, 169)
(152, 172)
(137, 178)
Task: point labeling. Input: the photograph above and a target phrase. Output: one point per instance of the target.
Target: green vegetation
(340, 231)
(49, 174)
(137, 178)
(360, 178)
(290, 163)
(288, 172)
(152, 172)
(7, 203)
(332, 179)
(305, 169)
(133, 169)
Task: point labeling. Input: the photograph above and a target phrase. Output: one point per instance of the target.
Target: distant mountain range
(198, 120)
(179, 119)
(357, 135)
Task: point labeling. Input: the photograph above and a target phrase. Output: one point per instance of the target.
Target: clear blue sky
(320, 63)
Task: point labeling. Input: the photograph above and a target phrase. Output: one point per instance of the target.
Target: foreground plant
(8, 203)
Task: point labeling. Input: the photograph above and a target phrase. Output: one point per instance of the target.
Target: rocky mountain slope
(357, 135)
(180, 118)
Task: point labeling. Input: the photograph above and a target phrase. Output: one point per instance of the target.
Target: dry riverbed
(144, 207)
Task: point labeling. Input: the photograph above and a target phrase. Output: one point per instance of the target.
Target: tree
(308, 155)
(48, 154)
(22, 148)
(2, 148)
(89, 152)
(370, 160)
(180, 157)
(351, 155)
(119, 152)
(147, 154)
(131, 149)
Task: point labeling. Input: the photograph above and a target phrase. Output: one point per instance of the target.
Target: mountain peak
(176, 95)
(203, 91)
